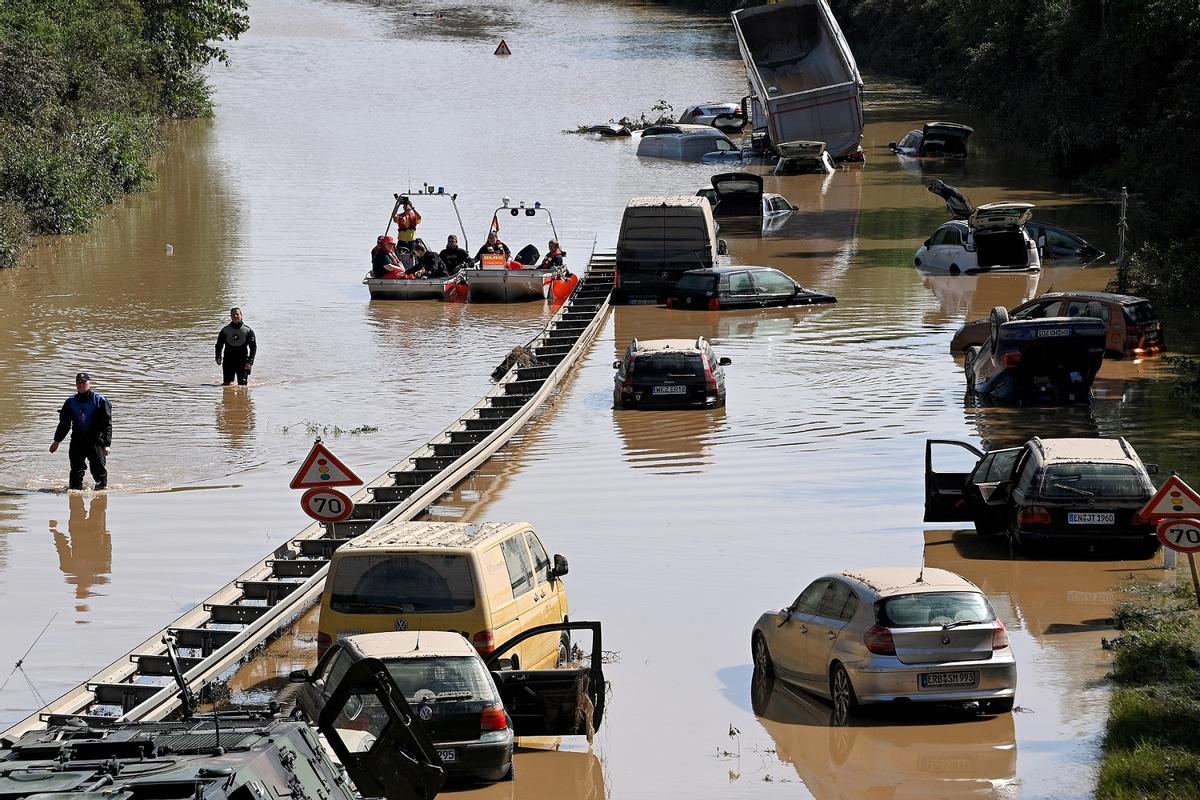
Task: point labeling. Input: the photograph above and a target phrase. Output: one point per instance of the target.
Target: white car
(705, 113)
(992, 240)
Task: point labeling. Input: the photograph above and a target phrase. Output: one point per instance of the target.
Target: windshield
(933, 608)
(442, 678)
(1094, 480)
(664, 366)
(389, 584)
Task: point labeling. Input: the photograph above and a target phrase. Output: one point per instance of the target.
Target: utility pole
(1122, 230)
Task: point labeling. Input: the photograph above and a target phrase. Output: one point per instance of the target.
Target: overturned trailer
(804, 83)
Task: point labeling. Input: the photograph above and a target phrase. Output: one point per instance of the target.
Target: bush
(1149, 771)
(1166, 715)
(14, 232)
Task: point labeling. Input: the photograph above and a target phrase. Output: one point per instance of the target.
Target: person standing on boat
(454, 257)
(383, 257)
(407, 221)
(239, 345)
(88, 416)
(493, 246)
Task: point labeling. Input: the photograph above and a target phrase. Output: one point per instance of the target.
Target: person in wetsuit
(240, 346)
(454, 257)
(426, 263)
(88, 416)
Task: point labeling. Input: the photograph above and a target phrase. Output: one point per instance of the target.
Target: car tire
(1001, 705)
(841, 692)
(761, 655)
(954, 270)
(564, 650)
(972, 354)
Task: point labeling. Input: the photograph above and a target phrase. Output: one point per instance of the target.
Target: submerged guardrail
(223, 630)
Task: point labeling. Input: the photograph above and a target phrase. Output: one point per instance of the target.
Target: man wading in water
(88, 416)
(239, 344)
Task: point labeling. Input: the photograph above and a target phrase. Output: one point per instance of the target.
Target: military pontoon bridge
(220, 633)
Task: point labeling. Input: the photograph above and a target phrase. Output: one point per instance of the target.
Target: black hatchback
(670, 373)
(720, 288)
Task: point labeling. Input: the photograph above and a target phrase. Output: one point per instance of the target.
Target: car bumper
(884, 680)
(477, 760)
(1123, 537)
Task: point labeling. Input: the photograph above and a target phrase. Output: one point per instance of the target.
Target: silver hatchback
(890, 634)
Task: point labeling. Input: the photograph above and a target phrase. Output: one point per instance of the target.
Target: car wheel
(564, 650)
(841, 691)
(954, 270)
(762, 655)
(1002, 705)
(969, 367)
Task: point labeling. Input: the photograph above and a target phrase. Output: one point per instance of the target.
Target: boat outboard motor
(528, 255)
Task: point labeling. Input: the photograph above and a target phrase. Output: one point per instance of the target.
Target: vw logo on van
(425, 713)
(401, 624)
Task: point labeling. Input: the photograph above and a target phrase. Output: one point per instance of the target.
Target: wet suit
(237, 339)
(88, 417)
(455, 258)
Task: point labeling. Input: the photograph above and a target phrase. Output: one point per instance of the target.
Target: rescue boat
(517, 279)
(398, 286)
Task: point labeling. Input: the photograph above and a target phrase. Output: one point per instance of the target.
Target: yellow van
(489, 581)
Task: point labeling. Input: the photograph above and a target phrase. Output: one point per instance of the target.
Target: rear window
(667, 365)
(390, 584)
(932, 608)
(695, 283)
(1140, 313)
(442, 679)
(1111, 481)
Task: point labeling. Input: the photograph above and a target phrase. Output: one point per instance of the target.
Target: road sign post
(1183, 536)
(319, 472)
(326, 505)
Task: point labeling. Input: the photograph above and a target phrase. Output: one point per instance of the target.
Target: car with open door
(469, 709)
(1081, 493)
(934, 140)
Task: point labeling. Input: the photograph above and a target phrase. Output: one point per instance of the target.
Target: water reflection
(235, 415)
(963, 298)
(887, 752)
(85, 550)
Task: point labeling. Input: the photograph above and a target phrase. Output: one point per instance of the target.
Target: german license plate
(669, 390)
(448, 755)
(949, 680)
(1043, 333)
(1092, 518)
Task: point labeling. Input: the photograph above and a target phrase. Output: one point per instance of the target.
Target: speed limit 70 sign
(1180, 534)
(326, 505)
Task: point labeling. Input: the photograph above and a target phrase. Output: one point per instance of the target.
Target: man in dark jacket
(88, 416)
(239, 344)
(454, 257)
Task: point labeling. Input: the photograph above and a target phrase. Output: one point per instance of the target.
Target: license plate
(669, 390)
(1092, 518)
(448, 755)
(948, 680)
(1043, 333)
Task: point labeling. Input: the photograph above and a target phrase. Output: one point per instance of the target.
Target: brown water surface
(681, 528)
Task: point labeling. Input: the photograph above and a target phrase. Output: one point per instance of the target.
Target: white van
(662, 238)
(688, 143)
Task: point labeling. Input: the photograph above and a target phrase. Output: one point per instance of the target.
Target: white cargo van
(661, 238)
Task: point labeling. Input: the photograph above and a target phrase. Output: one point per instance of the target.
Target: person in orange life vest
(406, 224)
(493, 246)
(554, 255)
(383, 257)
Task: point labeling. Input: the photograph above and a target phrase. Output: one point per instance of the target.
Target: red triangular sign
(1174, 500)
(502, 49)
(322, 468)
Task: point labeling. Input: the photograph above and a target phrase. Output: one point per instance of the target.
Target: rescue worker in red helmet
(383, 257)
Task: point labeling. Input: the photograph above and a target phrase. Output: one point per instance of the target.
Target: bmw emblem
(425, 713)
(946, 639)
(401, 624)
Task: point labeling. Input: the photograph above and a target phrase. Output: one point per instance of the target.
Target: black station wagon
(670, 373)
(720, 288)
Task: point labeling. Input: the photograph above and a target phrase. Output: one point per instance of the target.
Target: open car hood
(956, 202)
(739, 194)
(1001, 215)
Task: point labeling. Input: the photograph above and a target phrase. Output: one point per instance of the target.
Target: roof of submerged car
(428, 534)
(409, 644)
(1106, 297)
(1085, 450)
(888, 581)
(725, 270)
(667, 345)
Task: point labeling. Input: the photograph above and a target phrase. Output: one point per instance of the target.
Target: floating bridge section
(260, 603)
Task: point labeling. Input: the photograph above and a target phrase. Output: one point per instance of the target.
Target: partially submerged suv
(1085, 493)
(934, 140)
(669, 373)
(989, 238)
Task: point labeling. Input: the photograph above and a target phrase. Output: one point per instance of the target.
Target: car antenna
(921, 574)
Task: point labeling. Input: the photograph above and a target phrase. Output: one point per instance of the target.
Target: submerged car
(1083, 493)
(1052, 360)
(803, 158)
(670, 373)
(1132, 328)
(993, 240)
(934, 140)
(1056, 243)
(686, 143)
(741, 287)
(740, 194)
(890, 634)
(469, 707)
(707, 113)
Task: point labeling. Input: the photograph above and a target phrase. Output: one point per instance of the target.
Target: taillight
(878, 640)
(670, 302)
(493, 718)
(616, 279)
(323, 643)
(714, 303)
(1012, 359)
(999, 636)
(484, 641)
(1034, 515)
(710, 380)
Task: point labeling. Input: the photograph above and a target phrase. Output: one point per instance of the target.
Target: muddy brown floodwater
(681, 528)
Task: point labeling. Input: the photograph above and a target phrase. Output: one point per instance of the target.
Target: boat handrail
(429, 191)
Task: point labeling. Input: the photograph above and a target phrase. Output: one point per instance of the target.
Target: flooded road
(681, 527)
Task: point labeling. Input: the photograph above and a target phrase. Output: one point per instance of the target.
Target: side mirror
(616, 365)
(560, 567)
(299, 676)
(509, 662)
(722, 247)
(783, 616)
(724, 361)
(891, 145)
(1151, 469)
(928, 241)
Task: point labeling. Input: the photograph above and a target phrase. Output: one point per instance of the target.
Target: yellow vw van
(489, 581)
